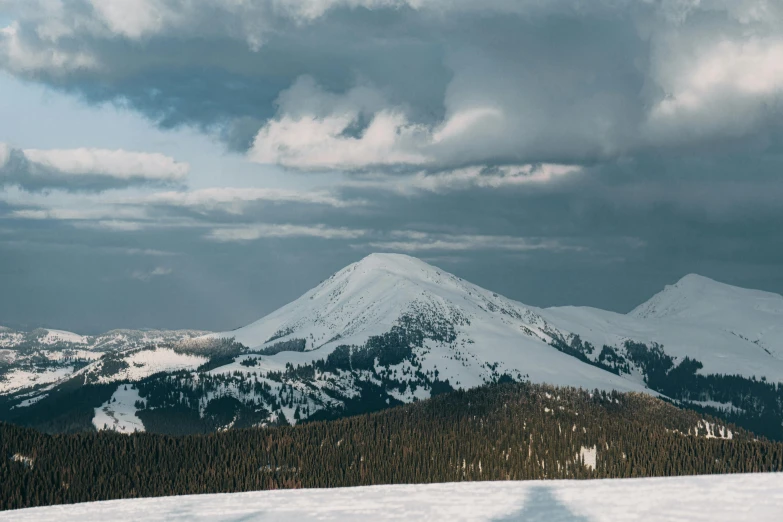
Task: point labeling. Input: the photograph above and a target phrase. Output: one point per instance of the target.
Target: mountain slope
(471, 335)
(45, 357)
(730, 330)
(751, 315)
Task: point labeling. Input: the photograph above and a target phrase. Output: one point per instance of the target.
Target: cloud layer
(86, 169)
(419, 83)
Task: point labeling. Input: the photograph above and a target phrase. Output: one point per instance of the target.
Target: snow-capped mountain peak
(368, 297)
(469, 334)
(696, 296)
(753, 316)
(728, 329)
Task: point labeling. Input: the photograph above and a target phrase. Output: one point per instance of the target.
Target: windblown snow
(716, 498)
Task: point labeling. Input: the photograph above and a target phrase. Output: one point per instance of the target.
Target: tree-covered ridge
(754, 404)
(384, 372)
(498, 432)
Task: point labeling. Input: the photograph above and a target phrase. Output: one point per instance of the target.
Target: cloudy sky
(183, 163)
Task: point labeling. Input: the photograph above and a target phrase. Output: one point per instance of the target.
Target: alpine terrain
(392, 329)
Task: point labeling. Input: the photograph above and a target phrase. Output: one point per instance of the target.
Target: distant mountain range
(392, 329)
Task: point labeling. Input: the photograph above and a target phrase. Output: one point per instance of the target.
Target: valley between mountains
(392, 329)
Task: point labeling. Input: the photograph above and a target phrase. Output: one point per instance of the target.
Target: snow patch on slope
(18, 379)
(119, 412)
(589, 456)
(144, 363)
(61, 336)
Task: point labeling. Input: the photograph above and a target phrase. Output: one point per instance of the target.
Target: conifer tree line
(505, 431)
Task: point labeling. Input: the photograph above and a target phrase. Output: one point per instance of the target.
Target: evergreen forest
(503, 431)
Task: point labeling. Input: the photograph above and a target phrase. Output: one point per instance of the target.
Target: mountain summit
(699, 297)
(367, 297)
(753, 316)
(467, 334)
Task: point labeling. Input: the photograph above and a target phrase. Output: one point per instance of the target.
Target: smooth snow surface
(717, 498)
(119, 412)
(751, 315)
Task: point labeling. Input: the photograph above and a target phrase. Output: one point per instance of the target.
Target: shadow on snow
(542, 506)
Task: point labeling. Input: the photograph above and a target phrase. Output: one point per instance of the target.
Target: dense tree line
(497, 432)
(756, 405)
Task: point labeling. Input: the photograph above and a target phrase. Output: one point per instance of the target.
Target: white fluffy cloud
(5, 154)
(56, 21)
(312, 130)
(114, 163)
(258, 231)
(725, 85)
(86, 168)
(134, 18)
(316, 129)
(237, 198)
(19, 56)
(312, 143)
(422, 242)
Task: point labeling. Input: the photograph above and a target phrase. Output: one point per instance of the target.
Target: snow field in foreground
(717, 498)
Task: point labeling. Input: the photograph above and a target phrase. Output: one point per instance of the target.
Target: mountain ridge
(391, 329)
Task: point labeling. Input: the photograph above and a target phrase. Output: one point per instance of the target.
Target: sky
(181, 164)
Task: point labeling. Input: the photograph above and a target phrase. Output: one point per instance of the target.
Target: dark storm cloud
(218, 73)
(498, 83)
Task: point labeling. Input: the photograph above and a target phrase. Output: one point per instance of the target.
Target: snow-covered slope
(474, 334)
(716, 498)
(730, 330)
(46, 357)
(752, 315)
(48, 339)
(368, 297)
